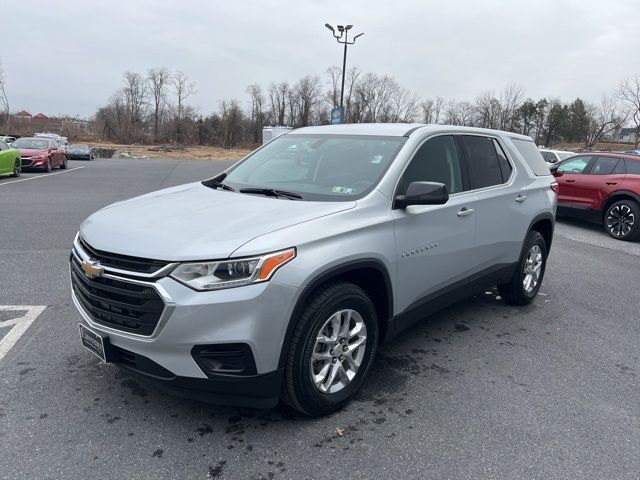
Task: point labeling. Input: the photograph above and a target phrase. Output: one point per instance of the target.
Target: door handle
(569, 180)
(611, 183)
(465, 212)
(521, 198)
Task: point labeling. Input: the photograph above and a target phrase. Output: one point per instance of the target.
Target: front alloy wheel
(621, 220)
(331, 349)
(532, 269)
(17, 168)
(338, 351)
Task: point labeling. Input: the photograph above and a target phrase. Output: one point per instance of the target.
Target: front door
(434, 242)
(569, 175)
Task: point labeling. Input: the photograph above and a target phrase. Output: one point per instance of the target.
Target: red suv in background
(604, 187)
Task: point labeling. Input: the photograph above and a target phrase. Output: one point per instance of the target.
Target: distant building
(23, 114)
(628, 135)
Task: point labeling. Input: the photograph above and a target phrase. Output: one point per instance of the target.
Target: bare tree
(278, 95)
(431, 110)
(460, 113)
(510, 100)
(489, 110)
(404, 106)
(257, 114)
(4, 99)
(231, 122)
(182, 89)
(351, 80)
(629, 93)
(158, 79)
(307, 90)
(335, 76)
(603, 118)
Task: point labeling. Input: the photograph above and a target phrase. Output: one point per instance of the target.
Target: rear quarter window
(531, 154)
(633, 167)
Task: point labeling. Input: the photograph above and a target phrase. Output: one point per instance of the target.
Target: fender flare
(544, 216)
(325, 276)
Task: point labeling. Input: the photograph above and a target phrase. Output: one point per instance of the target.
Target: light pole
(343, 31)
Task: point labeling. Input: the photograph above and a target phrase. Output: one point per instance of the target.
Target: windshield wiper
(271, 192)
(221, 185)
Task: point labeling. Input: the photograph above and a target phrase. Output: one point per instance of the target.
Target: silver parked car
(279, 278)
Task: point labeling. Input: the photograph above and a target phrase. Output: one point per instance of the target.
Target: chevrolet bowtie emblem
(91, 268)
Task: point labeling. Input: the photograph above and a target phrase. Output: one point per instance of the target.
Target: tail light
(555, 187)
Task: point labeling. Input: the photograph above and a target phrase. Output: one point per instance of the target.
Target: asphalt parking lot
(481, 390)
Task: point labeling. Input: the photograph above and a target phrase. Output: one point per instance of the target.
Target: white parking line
(19, 324)
(42, 176)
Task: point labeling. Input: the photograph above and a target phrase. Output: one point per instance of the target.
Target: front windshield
(318, 167)
(33, 143)
(78, 147)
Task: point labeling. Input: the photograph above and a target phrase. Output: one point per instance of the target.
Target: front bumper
(256, 315)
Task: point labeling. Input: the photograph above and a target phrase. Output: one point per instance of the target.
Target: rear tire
(17, 168)
(331, 351)
(622, 220)
(526, 280)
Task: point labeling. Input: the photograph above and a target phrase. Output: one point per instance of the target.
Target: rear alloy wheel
(17, 168)
(331, 351)
(622, 220)
(526, 280)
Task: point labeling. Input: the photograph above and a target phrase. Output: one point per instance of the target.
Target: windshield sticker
(345, 190)
(376, 159)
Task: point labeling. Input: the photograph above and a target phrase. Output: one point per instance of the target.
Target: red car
(41, 153)
(604, 187)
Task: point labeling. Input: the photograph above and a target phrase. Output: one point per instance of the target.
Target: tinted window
(549, 157)
(633, 167)
(574, 165)
(531, 155)
(437, 160)
(505, 166)
(604, 166)
(3, 146)
(484, 168)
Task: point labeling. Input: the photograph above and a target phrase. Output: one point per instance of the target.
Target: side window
(484, 168)
(604, 166)
(3, 146)
(505, 166)
(633, 167)
(436, 160)
(574, 165)
(549, 157)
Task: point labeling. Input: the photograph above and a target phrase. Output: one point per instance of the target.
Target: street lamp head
(359, 35)
(340, 28)
(348, 27)
(329, 27)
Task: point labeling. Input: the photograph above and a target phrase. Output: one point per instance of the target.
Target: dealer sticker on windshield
(345, 190)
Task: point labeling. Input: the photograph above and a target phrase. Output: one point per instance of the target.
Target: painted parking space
(14, 322)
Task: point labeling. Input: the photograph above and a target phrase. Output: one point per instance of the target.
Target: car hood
(30, 152)
(194, 222)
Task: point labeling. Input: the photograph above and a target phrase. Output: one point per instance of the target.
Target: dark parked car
(79, 152)
(604, 187)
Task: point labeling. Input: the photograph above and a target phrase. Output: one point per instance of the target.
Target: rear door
(604, 176)
(501, 211)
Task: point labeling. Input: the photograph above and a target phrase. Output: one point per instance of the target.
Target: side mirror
(554, 169)
(423, 193)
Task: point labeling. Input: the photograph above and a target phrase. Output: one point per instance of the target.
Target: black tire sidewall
(534, 238)
(635, 229)
(311, 399)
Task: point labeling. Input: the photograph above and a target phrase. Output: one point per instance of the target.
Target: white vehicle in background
(554, 156)
(7, 139)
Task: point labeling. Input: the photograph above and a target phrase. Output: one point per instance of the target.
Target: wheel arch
(369, 274)
(543, 223)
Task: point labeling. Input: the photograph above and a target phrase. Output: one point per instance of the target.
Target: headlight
(233, 272)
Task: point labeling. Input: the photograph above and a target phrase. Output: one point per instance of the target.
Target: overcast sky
(68, 57)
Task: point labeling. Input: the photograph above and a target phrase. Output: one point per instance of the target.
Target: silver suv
(279, 278)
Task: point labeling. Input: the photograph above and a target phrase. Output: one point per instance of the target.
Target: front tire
(17, 168)
(526, 280)
(622, 220)
(48, 167)
(331, 351)
(64, 163)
